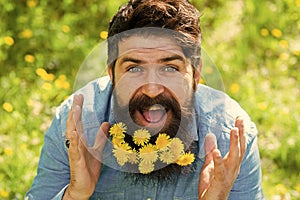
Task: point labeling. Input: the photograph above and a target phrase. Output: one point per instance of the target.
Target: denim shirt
(215, 112)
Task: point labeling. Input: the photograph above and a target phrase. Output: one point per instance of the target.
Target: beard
(176, 125)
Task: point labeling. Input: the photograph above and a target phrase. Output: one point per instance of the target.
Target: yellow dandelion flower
(146, 168)
(297, 188)
(4, 193)
(264, 32)
(284, 56)
(122, 153)
(176, 147)
(121, 156)
(186, 159)
(65, 28)
(117, 141)
(166, 157)
(9, 40)
(62, 84)
(262, 106)
(103, 35)
(27, 33)
(276, 32)
(7, 107)
(296, 52)
(141, 136)
(29, 58)
(47, 86)
(284, 44)
(234, 88)
(118, 129)
(31, 3)
(202, 81)
(281, 189)
(133, 157)
(148, 153)
(8, 151)
(44, 74)
(162, 141)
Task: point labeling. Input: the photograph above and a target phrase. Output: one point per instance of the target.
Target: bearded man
(149, 130)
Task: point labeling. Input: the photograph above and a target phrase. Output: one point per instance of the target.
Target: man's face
(150, 67)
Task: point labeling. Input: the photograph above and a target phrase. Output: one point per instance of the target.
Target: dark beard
(177, 127)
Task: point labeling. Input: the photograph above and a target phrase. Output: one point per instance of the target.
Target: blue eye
(135, 69)
(169, 68)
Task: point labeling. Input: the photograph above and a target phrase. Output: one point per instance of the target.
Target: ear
(197, 75)
(110, 73)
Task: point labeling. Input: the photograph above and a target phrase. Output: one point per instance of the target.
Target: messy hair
(180, 16)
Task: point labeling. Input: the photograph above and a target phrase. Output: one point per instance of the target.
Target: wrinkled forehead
(149, 44)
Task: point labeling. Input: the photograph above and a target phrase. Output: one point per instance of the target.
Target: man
(150, 131)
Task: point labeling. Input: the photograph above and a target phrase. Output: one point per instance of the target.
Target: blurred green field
(255, 45)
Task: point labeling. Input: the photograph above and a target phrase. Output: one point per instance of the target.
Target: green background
(254, 44)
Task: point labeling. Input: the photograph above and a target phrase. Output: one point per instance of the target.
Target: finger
(77, 114)
(210, 145)
(73, 151)
(102, 135)
(234, 149)
(219, 169)
(242, 135)
(71, 125)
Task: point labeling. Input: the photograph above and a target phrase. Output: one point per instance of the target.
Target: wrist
(73, 195)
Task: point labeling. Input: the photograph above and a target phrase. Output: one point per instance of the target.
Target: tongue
(153, 116)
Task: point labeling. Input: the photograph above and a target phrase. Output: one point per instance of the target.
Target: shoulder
(217, 113)
(97, 94)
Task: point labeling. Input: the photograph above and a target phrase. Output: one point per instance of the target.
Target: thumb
(101, 138)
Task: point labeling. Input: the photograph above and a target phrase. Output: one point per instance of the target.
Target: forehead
(150, 44)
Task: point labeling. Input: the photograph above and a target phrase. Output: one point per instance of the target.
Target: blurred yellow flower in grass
(234, 88)
(27, 33)
(298, 3)
(103, 35)
(297, 188)
(31, 3)
(148, 154)
(62, 82)
(284, 44)
(186, 159)
(141, 136)
(281, 189)
(44, 74)
(264, 32)
(262, 106)
(8, 151)
(47, 86)
(202, 81)
(29, 58)
(7, 107)
(65, 28)
(9, 40)
(4, 193)
(162, 141)
(276, 32)
(283, 56)
(296, 52)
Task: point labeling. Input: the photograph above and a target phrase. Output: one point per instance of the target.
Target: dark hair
(177, 15)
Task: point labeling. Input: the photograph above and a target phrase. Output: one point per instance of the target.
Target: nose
(152, 89)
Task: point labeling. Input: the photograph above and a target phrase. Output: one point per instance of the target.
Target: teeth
(156, 107)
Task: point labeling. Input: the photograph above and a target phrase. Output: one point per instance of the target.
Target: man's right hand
(84, 165)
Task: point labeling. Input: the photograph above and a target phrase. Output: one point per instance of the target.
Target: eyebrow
(162, 60)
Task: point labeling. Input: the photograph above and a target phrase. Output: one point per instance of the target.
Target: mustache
(143, 102)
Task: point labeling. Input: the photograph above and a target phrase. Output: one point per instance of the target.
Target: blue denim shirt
(215, 113)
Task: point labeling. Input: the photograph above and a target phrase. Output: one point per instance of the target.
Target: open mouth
(154, 115)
